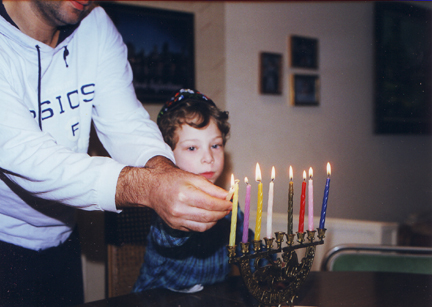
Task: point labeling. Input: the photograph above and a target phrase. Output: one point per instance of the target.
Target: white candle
(310, 201)
(270, 204)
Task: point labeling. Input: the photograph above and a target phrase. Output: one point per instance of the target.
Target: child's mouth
(208, 175)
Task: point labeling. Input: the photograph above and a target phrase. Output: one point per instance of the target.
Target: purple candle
(325, 198)
(246, 213)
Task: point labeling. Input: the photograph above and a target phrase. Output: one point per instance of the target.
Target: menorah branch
(279, 280)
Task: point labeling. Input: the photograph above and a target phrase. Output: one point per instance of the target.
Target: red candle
(302, 204)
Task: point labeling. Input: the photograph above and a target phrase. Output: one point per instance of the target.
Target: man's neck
(31, 23)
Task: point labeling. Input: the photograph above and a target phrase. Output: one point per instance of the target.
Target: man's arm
(183, 200)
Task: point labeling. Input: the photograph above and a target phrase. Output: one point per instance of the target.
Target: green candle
(290, 202)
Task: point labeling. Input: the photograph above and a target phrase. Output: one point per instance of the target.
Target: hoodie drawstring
(65, 54)
(39, 87)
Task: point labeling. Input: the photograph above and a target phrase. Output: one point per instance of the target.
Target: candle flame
(232, 180)
(273, 174)
(257, 173)
(310, 172)
(291, 173)
(304, 175)
(328, 169)
(246, 180)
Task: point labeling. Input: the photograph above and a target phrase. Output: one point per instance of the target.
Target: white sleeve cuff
(106, 187)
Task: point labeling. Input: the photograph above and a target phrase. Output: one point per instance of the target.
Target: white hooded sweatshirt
(48, 97)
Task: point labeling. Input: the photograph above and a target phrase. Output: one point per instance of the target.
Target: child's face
(200, 151)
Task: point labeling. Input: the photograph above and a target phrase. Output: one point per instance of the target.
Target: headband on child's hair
(181, 97)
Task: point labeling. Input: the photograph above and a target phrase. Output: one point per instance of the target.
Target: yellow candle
(235, 185)
(259, 203)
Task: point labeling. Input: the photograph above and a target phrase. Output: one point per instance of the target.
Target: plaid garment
(179, 260)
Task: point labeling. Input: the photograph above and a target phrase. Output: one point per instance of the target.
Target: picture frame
(305, 90)
(270, 73)
(304, 52)
(403, 71)
(160, 48)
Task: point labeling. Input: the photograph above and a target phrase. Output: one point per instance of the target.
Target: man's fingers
(201, 199)
(210, 188)
(197, 227)
(194, 221)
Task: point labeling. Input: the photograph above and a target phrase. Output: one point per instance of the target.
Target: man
(63, 65)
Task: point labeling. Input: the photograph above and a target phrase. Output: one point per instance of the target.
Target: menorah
(279, 281)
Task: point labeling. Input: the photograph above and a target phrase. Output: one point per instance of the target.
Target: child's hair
(192, 108)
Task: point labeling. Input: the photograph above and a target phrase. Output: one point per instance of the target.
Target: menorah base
(279, 281)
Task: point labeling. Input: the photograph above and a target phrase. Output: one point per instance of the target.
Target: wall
(374, 177)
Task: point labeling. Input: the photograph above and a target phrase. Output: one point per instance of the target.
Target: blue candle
(325, 198)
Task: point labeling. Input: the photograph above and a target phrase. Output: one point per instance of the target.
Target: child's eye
(191, 148)
(216, 146)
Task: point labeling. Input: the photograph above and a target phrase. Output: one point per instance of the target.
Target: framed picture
(271, 73)
(402, 69)
(304, 52)
(304, 90)
(160, 48)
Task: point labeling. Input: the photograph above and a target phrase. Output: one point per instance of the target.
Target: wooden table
(344, 289)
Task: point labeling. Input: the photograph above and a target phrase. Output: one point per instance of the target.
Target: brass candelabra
(279, 281)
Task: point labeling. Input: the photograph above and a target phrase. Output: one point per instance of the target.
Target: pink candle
(310, 201)
(302, 204)
(246, 212)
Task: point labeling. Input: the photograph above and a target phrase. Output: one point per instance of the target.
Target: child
(197, 132)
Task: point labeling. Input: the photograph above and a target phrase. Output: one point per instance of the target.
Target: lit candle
(325, 199)
(290, 201)
(234, 211)
(259, 203)
(270, 204)
(246, 212)
(310, 200)
(302, 204)
(231, 191)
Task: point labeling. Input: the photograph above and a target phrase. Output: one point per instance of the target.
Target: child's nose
(207, 157)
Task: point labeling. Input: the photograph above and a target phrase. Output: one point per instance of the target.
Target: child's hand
(183, 200)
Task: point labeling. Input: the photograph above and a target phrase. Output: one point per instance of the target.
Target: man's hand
(183, 200)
